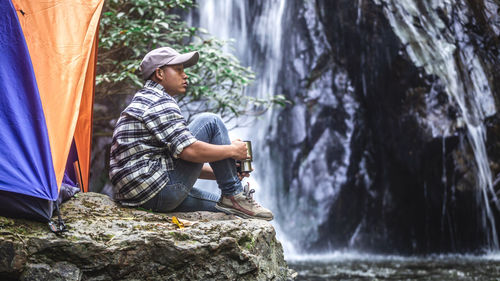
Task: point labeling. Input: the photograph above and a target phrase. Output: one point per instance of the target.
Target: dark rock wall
(396, 173)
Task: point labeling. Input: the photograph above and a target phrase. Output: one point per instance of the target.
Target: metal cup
(246, 165)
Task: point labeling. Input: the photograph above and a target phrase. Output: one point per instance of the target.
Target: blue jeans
(179, 195)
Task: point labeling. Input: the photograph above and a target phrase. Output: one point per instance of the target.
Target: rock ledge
(107, 242)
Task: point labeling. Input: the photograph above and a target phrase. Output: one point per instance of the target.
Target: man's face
(174, 80)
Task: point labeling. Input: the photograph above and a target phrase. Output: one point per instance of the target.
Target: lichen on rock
(107, 242)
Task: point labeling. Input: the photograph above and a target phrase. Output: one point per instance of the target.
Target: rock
(107, 242)
(63, 271)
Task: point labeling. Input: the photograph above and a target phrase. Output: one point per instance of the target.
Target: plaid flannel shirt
(149, 135)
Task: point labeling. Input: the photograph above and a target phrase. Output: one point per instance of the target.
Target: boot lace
(249, 195)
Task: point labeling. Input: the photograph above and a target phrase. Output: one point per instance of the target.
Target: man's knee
(206, 126)
(208, 117)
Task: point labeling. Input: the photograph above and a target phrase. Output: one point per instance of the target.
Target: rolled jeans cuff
(236, 188)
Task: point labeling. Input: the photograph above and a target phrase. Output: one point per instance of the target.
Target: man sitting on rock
(156, 158)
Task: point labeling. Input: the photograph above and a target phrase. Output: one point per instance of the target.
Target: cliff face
(385, 147)
(107, 242)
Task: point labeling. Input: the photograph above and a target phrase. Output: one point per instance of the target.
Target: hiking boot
(243, 205)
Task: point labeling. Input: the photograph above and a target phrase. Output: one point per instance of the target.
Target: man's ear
(159, 73)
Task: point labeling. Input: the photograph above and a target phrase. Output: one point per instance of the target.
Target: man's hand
(242, 175)
(240, 150)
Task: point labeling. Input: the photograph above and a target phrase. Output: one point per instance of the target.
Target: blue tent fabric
(26, 162)
(69, 172)
(15, 205)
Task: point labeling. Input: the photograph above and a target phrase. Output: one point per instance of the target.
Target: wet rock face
(380, 154)
(107, 242)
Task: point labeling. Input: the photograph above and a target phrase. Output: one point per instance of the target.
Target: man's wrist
(232, 150)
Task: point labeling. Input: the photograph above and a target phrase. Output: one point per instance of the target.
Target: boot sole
(232, 211)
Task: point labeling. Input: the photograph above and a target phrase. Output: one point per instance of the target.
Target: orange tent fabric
(83, 131)
(62, 39)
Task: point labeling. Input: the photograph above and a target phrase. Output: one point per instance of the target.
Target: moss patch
(179, 235)
(4, 222)
(247, 242)
(22, 227)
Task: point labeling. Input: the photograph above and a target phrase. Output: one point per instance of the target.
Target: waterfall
(228, 19)
(256, 42)
(434, 47)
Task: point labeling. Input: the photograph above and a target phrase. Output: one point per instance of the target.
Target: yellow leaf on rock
(177, 222)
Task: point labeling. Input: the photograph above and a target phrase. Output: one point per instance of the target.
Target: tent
(47, 77)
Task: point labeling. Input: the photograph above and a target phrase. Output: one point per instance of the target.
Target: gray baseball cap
(165, 56)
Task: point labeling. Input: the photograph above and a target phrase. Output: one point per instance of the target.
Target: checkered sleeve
(165, 121)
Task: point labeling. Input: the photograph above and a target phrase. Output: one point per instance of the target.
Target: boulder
(107, 242)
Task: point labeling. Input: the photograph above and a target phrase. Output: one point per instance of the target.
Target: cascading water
(261, 49)
(257, 43)
(385, 146)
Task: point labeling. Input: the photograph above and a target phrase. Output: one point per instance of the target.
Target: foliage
(129, 29)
